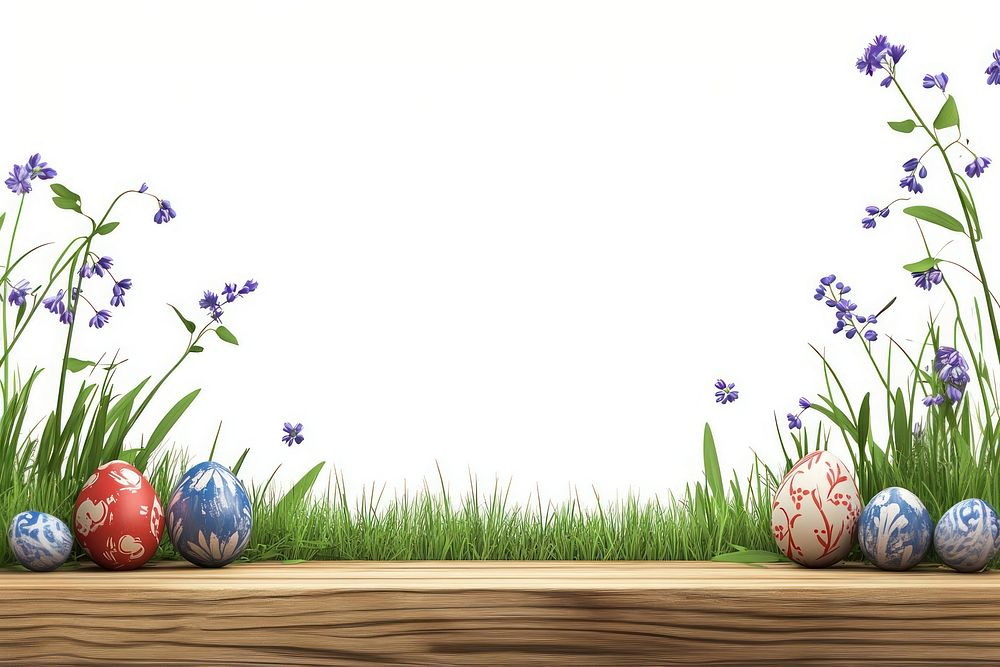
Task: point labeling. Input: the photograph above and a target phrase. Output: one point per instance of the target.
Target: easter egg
(40, 541)
(815, 511)
(968, 535)
(209, 516)
(894, 529)
(118, 519)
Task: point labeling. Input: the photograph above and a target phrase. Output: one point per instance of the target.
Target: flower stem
(10, 253)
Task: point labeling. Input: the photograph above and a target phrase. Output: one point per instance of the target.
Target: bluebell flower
(871, 57)
(102, 265)
(118, 291)
(66, 317)
(896, 52)
(873, 212)
(937, 399)
(292, 434)
(143, 188)
(952, 369)
(726, 393)
(209, 301)
(977, 167)
(794, 421)
(248, 286)
(86, 270)
(166, 213)
(827, 280)
(927, 279)
(936, 81)
(54, 304)
(871, 336)
(19, 181)
(100, 318)
(848, 320)
(994, 70)
(39, 169)
(229, 292)
(19, 293)
(804, 403)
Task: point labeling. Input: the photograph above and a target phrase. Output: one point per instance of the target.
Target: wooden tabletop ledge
(493, 613)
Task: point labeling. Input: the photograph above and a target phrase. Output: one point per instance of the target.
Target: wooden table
(492, 613)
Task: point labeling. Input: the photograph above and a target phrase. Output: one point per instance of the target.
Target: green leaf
(76, 365)
(62, 191)
(66, 203)
(239, 462)
(188, 324)
(901, 425)
(196, 348)
(161, 430)
(935, 216)
(922, 265)
(107, 228)
(20, 313)
(713, 474)
(226, 335)
(864, 421)
(904, 126)
(293, 561)
(298, 492)
(749, 556)
(948, 116)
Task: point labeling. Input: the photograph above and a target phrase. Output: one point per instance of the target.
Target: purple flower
(86, 270)
(118, 291)
(39, 169)
(19, 181)
(727, 392)
(292, 434)
(827, 280)
(102, 265)
(848, 321)
(936, 81)
(804, 403)
(143, 188)
(66, 317)
(937, 399)
(977, 166)
(927, 279)
(209, 301)
(868, 222)
(994, 70)
(871, 57)
(952, 369)
(896, 52)
(54, 304)
(166, 213)
(911, 183)
(229, 292)
(19, 293)
(248, 286)
(100, 318)
(794, 421)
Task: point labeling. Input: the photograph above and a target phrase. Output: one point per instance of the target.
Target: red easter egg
(118, 519)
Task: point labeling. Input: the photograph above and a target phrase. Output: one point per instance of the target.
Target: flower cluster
(868, 222)
(727, 393)
(292, 434)
(832, 293)
(881, 55)
(795, 419)
(953, 370)
(21, 175)
(213, 302)
(913, 169)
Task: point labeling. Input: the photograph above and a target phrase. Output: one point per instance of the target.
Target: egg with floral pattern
(118, 520)
(967, 536)
(815, 511)
(894, 530)
(209, 516)
(39, 541)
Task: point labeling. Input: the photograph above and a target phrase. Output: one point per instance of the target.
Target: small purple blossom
(99, 319)
(54, 304)
(993, 71)
(952, 369)
(936, 81)
(166, 213)
(229, 292)
(213, 302)
(143, 188)
(914, 170)
(848, 320)
(976, 168)
(871, 57)
(118, 291)
(102, 265)
(39, 169)
(19, 293)
(804, 403)
(209, 300)
(248, 286)
(936, 399)
(868, 222)
(927, 279)
(794, 421)
(66, 317)
(292, 434)
(19, 181)
(727, 393)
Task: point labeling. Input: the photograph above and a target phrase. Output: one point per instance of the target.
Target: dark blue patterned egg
(209, 516)
(40, 541)
(968, 535)
(894, 529)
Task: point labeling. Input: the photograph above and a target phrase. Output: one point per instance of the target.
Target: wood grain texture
(489, 613)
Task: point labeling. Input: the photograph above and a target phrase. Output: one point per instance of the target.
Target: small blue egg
(40, 541)
(894, 529)
(968, 535)
(209, 516)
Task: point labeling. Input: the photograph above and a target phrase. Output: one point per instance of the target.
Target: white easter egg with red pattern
(815, 511)
(118, 520)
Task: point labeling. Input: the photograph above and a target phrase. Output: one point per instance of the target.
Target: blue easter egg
(894, 529)
(968, 535)
(40, 541)
(209, 516)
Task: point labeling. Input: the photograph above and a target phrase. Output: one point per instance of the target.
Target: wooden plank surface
(490, 613)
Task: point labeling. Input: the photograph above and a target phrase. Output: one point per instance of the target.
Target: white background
(520, 239)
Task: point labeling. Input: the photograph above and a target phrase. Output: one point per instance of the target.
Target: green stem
(74, 305)
(10, 253)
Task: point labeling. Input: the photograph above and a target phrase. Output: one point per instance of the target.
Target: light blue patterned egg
(209, 516)
(968, 535)
(40, 541)
(894, 529)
